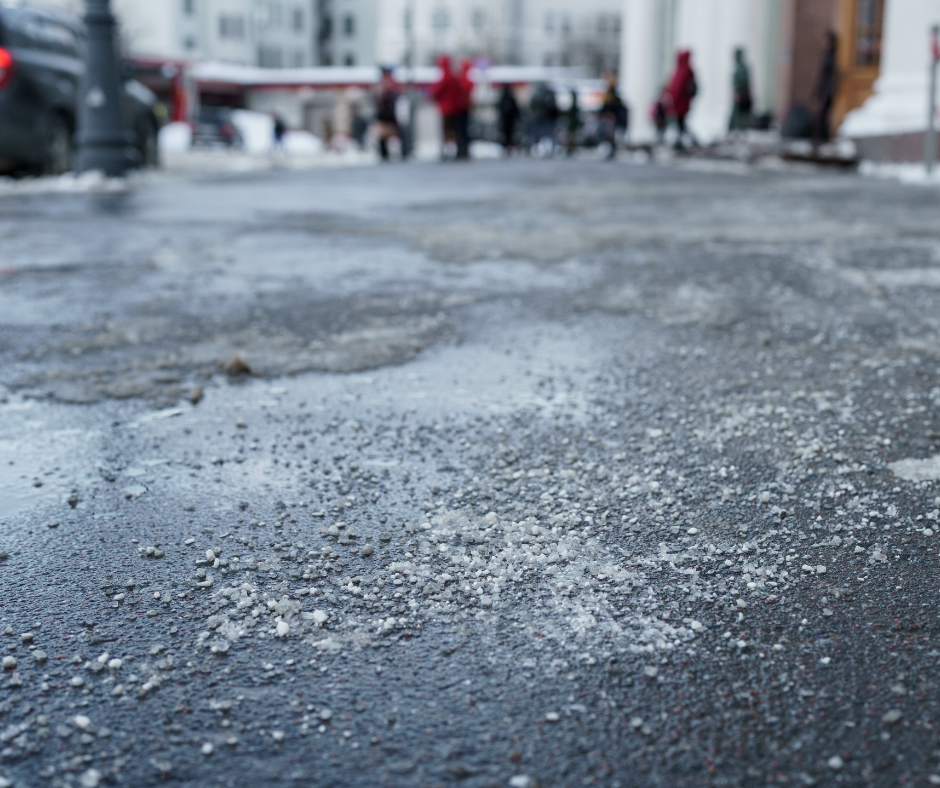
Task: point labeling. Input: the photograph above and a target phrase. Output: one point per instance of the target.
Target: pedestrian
(404, 110)
(826, 89)
(280, 129)
(386, 119)
(613, 114)
(508, 117)
(741, 87)
(446, 93)
(464, 105)
(659, 114)
(358, 128)
(545, 114)
(682, 89)
(572, 123)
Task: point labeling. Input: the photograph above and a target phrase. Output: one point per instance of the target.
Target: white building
(891, 123)
(517, 32)
(268, 33)
(653, 30)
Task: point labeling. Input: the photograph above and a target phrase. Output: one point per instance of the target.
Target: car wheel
(148, 145)
(57, 154)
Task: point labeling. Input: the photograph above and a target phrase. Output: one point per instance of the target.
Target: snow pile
(69, 183)
(912, 173)
(175, 138)
(256, 129)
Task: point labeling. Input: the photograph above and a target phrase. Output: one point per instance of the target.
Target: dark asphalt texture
(547, 473)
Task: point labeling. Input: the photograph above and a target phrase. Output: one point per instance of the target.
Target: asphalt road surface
(507, 474)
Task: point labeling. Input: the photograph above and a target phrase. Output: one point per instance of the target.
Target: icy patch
(692, 304)
(917, 470)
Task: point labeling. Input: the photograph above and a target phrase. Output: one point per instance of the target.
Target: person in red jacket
(448, 94)
(681, 91)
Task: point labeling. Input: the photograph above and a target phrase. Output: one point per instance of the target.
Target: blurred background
(239, 81)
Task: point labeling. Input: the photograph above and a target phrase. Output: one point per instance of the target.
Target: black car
(214, 128)
(41, 65)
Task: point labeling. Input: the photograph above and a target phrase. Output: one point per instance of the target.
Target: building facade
(891, 122)
(515, 32)
(267, 33)
(785, 43)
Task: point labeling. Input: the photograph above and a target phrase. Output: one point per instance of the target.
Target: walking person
(826, 90)
(386, 118)
(280, 129)
(462, 119)
(572, 124)
(446, 93)
(613, 115)
(545, 114)
(682, 89)
(741, 86)
(508, 118)
(659, 114)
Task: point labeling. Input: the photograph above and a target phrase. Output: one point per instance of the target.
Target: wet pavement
(514, 474)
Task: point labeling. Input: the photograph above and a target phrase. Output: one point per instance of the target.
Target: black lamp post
(104, 142)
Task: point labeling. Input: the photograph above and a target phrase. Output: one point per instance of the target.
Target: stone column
(639, 66)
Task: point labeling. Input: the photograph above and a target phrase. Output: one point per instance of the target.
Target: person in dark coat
(659, 114)
(613, 115)
(572, 123)
(280, 129)
(545, 114)
(826, 89)
(386, 120)
(682, 89)
(741, 86)
(447, 93)
(508, 117)
(462, 119)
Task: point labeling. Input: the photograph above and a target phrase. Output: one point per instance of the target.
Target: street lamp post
(104, 142)
(930, 138)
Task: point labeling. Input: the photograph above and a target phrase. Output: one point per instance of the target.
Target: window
(189, 42)
(231, 26)
(549, 23)
(868, 21)
(349, 25)
(269, 15)
(565, 24)
(616, 24)
(601, 24)
(189, 7)
(269, 56)
(478, 20)
(299, 58)
(350, 59)
(440, 20)
(407, 19)
(298, 20)
(549, 61)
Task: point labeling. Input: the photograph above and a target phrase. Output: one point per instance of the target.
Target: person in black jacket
(826, 89)
(508, 117)
(386, 120)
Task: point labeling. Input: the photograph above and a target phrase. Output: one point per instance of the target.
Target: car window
(35, 31)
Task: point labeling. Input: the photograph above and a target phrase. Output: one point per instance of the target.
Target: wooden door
(860, 36)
